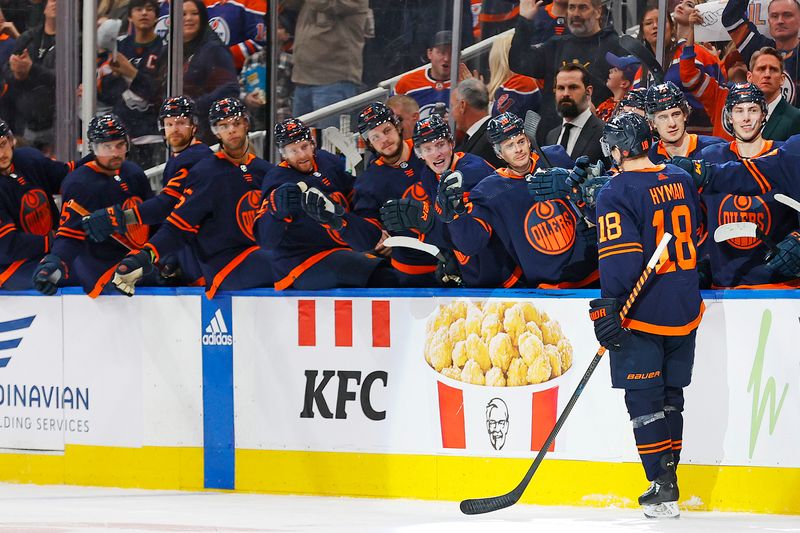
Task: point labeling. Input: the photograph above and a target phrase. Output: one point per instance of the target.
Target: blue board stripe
(20, 323)
(4, 361)
(10, 344)
(218, 429)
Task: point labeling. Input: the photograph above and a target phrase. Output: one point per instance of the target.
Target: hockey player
(216, 212)
(305, 204)
(28, 215)
(652, 349)
(491, 266)
(542, 237)
(667, 111)
(633, 102)
(178, 124)
(108, 180)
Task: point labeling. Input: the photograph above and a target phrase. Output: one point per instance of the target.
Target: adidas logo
(217, 332)
(10, 344)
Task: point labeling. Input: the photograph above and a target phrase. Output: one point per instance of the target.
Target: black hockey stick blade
(531, 126)
(495, 503)
(649, 61)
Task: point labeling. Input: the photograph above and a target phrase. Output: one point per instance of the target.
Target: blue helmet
(635, 98)
(373, 116)
(177, 106)
(629, 132)
(665, 96)
(291, 130)
(105, 128)
(431, 128)
(742, 93)
(504, 126)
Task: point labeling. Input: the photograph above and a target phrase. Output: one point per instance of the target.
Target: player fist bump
(608, 329)
(407, 213)
(549, 184)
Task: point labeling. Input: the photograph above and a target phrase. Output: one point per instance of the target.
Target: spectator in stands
(469, 106)
(580, 130)
(586, 45)
(29, 101)
(784, 26)
(620, 82)
(328, 46)
(497, 16)
(113, 9)
(767, 72)
(19, 12)
(253, 85)
(8, 38)
(431, 85)
(407, 110)
(241, 26)
(548, 20)
(134, 100)
(508, 91)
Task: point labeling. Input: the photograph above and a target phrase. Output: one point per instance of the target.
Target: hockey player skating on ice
(667, 110)
(215, 214)
(108, 180)
(652, 350)
(547, 239)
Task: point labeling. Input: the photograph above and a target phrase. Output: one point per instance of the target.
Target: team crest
(246, 211)
(137, 234)
(734, 208)
(34, 213)
(416, 192)
(220, 27)
(550, 227)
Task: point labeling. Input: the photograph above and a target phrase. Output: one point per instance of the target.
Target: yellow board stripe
(557, 482)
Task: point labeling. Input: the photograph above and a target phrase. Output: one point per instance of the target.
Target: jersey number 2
(684, 251)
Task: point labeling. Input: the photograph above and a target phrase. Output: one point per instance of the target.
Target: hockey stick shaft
(487, 505)
(78, 208)
(531, 127)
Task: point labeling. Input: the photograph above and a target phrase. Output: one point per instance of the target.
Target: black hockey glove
(102, 223)
(787, 260)
(407, 213)
(448, 273)
(548, 184)
(608, 329)
(48, 273)
(450, 196)
(131, 269)
(581, 171)
(284, 201)
(318, 206)
(700, 171)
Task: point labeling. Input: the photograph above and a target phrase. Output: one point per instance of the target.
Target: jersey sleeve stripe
(619, 252)
(762, 182)
(102, 282)
(621, 245)
(513, 278)
(7, 273)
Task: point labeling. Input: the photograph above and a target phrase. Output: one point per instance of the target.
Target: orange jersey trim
(689, 149)
(591, 278)
(297, 271)
(513, 278)
(764, 149)
(521, 84)
(7, 273)
(499, 17)
(414, 270)
(762, 181)
(791, 284)
(669, 331)
(227, 269)
(102, 281)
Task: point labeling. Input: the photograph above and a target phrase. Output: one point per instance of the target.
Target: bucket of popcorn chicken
(497, 367)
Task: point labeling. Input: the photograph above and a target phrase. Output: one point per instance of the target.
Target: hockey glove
(700, 171)
(608, 329)
(448, 273)
(50, 271)
(580, 171)
(548, 184)
(131, 269)
(787, 260)
(321, 208)
(591, 187)
(407, 213)
(450, 196)
(101, 224)
(284, 201)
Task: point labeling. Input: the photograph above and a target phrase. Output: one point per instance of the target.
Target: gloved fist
(583, 171)
(48, 273)
(131, 269)
(787, 260)
(284, 200)
(450, 196)
(700, 171)
(590, 189)
(407, 213)
(318, 206)
(448, 273)
(608, 329)
(102, 223)
(548, 184)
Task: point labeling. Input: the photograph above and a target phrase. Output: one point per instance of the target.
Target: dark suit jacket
(478, 144)
(783, 123)
(588, 142)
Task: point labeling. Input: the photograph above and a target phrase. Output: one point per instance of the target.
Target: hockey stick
(643, 54)
(736, 230)
(416, 244)
(78, 208)
(530, 127)
(487, 505)
(790, 202)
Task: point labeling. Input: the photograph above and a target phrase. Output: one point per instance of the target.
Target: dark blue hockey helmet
(665, 96)
(431, 128)
(629, 132)
(105, 128)
(226, 108)
(177, 106)
(291, 130)
(743, 93)
(635, 98)
(504, 126)
(5, 129)
(373, 116)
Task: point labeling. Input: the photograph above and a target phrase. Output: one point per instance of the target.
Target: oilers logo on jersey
(34, 213)
(550, 227)
(246, 210)
(734, 208)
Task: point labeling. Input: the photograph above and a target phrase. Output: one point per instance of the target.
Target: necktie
(567, 127)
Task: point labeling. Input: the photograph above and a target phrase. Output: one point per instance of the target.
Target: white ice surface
(47, 509)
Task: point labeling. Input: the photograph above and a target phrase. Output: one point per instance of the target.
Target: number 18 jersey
(634, 210)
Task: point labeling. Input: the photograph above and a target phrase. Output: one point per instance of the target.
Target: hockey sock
(652, 441)
(673, 409)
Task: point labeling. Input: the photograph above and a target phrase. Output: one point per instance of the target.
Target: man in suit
(469, 107)
(580, 130)
(767, 72)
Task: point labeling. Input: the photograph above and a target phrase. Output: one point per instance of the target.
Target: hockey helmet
(177, 106)
(431, 128)
(629, 132)
(5, 129)
(635, 98)
(291, 130)
(742, 93)
(373, 116)
(504, 126)
(665, 96)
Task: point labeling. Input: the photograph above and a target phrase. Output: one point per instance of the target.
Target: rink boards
(335, 393)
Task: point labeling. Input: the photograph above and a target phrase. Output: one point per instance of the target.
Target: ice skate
(661, 499)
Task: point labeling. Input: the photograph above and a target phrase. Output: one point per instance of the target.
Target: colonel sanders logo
(497, 422)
